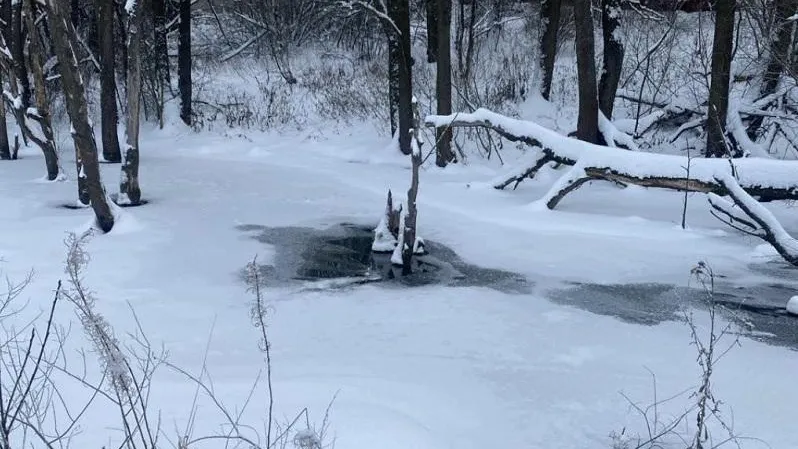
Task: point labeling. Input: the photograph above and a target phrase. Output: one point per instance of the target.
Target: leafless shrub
(712, 344)
(298, 433)
(128, 369)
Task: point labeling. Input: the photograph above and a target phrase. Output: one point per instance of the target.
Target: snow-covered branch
(376, 7)
(757, 218)
(766, 179)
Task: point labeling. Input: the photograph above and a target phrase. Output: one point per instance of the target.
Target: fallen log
(766, 179)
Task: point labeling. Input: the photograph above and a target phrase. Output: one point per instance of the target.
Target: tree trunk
(18, 44)
(720, 78)
(129, 191)
(613, 55)
(779, 58)
(432, 30)
(184, 61)
(5, 149)
(443, 81)
(77, 109)
(399, 12)
(550, 18)
(42, 111)
(394, 56)
(161, 49)
(409, 231)
(110, 117)
(587, 123)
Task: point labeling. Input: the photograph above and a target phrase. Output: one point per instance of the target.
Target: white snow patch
(792, 305)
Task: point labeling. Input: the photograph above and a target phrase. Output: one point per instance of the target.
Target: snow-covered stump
(765, 179)
(745, 214)
(387, 231)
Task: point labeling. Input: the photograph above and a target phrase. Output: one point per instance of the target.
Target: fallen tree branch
(766, 179)
(762, 221)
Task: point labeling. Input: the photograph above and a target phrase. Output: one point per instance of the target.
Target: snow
(425, 367)
(384, 241)
(130, 6)
(792, 305)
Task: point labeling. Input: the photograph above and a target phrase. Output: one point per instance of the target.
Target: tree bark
(129, 190)
(587, 123)
(432, 30)
(184, 61)
(77, 110)
(399, 12)
(720, 78)
(443, 81)
(409, 231)
(394, 56)
(613, 55)
(42, 113)
(110, 116)
(550, 18)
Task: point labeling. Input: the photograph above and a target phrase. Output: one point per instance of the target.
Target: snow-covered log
(765, 179)
(745, 214)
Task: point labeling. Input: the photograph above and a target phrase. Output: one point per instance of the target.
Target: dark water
(758, 311)
(340, 256)
(343, 252)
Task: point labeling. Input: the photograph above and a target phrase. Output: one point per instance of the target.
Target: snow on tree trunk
(720, 79)
(386, 233)
(587, 122)
(129, 191)
(110, 116)
(409, 229)
(184, 60)
(613, 55)
(550, 11)
(77, 110)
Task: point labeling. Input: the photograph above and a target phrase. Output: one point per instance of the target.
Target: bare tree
(77, 109)
(779, 56)
(41, 113)
(110, 117)
(129, 191)
(587, 123)
(443, 81)
(401, 75)
(613, 55)
(550, 19)
(184, 60)
(720, 78)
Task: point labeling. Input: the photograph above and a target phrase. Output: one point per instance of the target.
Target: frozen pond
(340, 256)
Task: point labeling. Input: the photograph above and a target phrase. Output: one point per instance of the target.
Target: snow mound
(384, 241)
(792, 305)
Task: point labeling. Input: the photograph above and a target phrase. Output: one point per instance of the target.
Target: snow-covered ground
(428, 367)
